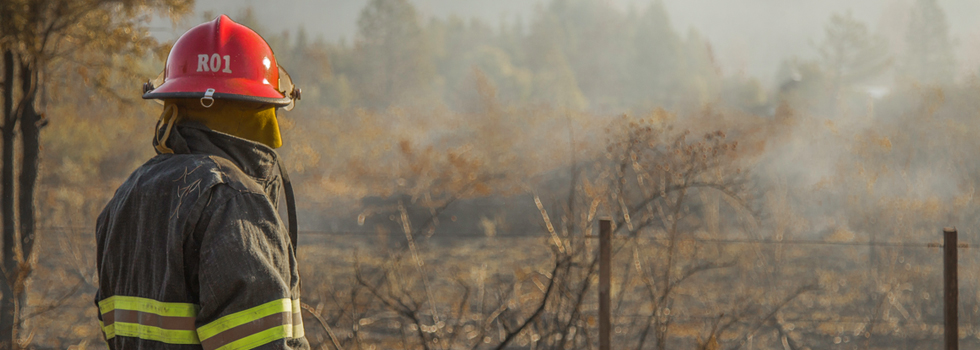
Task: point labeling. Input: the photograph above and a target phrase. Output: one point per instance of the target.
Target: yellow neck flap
(251, 121)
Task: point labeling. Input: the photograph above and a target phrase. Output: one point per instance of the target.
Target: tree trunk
(7, 306)
(31, 123)
(30, 128)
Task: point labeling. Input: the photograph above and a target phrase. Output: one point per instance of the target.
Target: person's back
(191, 250)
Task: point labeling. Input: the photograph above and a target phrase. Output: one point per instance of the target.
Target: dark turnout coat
(192, 252)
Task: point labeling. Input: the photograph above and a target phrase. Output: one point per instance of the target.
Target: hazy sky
(748, 36)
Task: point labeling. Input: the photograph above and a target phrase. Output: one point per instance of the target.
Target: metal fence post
(605, 260)
(950, 289)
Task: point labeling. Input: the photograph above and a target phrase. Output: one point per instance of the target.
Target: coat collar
(254, 159)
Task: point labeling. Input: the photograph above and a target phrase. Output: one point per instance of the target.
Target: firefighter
(192, 252)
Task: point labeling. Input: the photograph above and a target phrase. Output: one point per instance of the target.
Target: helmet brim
(195, 87)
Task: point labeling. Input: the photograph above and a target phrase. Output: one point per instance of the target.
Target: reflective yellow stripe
(124, 311)
(147, 305)
(242, 317)
(260, 338)
(291, 311)
(298, 331)
(108, 331)
(168, 336)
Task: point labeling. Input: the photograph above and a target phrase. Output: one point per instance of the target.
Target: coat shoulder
(198, 171)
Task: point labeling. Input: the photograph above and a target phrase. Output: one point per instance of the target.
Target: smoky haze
(774, 170)
(749, 36)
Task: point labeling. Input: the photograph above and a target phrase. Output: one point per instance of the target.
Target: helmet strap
(161, 145)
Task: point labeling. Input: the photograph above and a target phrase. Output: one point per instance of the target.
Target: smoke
(518, 90)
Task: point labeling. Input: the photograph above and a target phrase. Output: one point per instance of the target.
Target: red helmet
(222, 59)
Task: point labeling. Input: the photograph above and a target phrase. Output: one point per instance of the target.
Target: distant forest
(591, 55)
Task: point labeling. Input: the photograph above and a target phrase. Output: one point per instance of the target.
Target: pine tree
(658, 55)
(929, 51)
(554, 80)
(849, 54)
(395, 61)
